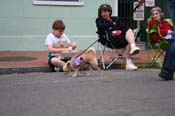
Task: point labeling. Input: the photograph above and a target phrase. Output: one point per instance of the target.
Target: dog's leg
(99, 70)
(90, 70)
(76, 72)
(96, 67)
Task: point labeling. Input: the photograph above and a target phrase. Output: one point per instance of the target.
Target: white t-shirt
(51, 39)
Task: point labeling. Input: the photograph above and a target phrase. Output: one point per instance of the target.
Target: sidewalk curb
(20, 70)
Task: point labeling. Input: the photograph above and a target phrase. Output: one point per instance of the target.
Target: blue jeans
(171, 6)
(169, 59)
(169, 62)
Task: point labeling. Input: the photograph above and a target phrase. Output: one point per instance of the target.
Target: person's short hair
(157, 9)
(58, 25)
(106, 7)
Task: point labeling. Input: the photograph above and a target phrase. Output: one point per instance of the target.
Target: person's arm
(103, 25)
(57, 50)
(119, 24)
(69, 42)
(165, 27)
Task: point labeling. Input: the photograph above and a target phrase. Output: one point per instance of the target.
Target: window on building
(59, 2)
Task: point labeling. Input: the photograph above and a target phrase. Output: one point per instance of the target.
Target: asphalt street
(115, 93)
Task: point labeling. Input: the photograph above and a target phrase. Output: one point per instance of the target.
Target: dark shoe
(52, 69)
(61, 69)
(165, 76)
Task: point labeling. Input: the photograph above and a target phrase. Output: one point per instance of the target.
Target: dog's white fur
(90, 62)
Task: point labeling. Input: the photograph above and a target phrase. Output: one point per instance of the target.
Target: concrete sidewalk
(36, 61)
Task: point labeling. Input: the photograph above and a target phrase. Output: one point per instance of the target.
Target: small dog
(87, 59)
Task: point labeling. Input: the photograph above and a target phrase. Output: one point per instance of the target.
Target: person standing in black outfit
(168, 68)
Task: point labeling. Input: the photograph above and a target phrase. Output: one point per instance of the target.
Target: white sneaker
(134, 50)
(131, 67)
(57, 68)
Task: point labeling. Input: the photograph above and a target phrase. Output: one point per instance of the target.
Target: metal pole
(138, 27)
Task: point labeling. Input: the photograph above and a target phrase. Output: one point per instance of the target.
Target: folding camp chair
(106, 45)
(159, 48)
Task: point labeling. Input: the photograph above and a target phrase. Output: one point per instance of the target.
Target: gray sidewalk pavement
(36, 61)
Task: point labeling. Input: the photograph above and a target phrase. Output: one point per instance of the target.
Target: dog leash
(86, 48)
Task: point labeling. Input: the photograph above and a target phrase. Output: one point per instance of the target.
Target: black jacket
(104, 26)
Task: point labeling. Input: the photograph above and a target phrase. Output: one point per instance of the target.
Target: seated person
(159, 27)
(120, 36)
(53, 42)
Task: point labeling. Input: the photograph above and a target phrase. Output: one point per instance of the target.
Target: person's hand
(70, 49)
(169, 31)
(116, 32)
